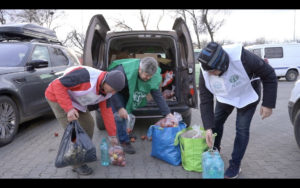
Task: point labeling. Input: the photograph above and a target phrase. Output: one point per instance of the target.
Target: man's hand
(123, 113)
(170, 115)
(265, 112)
(72, 115)
(113, 140)
(209, 138)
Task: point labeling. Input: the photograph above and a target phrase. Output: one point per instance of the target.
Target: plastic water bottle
(212, 164)
(104, 153)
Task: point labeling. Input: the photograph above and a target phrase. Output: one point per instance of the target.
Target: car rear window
(12, 55)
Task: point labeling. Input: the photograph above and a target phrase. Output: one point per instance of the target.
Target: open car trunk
(160, 47)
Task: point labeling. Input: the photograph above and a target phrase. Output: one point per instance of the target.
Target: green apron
(138, 89)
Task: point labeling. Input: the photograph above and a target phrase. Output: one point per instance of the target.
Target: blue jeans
(243, 121)
(120, 122)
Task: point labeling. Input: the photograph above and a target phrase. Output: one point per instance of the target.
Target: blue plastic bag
(163, 143)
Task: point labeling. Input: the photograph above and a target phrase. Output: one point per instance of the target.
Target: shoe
(83, 170)
(128, 148)
(232, 171)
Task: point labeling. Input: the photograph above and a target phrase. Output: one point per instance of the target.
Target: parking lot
(272, 151)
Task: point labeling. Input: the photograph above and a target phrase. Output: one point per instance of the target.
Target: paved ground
(272, 151)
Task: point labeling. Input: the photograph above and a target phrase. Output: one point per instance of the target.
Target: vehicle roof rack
(27, 31)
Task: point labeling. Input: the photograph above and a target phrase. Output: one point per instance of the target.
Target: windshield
(12, 55)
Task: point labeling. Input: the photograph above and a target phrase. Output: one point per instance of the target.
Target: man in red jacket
(80, 86)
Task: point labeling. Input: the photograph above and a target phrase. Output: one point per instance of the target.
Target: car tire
(99, 121)
(291, 75)
(297, 128)
(9, 120)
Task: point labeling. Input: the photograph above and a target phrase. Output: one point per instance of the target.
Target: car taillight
(192, 91)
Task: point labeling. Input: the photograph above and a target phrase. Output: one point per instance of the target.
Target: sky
(239, 26)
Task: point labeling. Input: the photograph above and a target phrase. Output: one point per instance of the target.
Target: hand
(170, 115)
(209, 138)
(123, 113)
(72, 115)
(113, 140)
(265, 112)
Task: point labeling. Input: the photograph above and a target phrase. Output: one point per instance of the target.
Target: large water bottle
(212, 165)
(105, 160)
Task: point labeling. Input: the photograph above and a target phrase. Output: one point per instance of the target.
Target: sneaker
(232, 171)
(83, 170)
(128, 148)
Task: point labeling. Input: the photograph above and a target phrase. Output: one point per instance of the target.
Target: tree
(144, 19)
(75, 39)
(122, 25)
(42, 17)
(3, 13)
(211, 24)
(197, 25)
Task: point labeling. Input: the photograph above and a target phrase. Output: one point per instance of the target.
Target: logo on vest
(234, 80)
(138, 98)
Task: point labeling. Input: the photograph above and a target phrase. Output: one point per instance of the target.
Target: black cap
(115, 79)
(213, 57)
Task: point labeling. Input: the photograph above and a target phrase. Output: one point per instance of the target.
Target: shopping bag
(75, 147)
(191, 146)
(163, 143)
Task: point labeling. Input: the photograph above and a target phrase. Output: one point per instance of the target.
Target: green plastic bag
(191, 150)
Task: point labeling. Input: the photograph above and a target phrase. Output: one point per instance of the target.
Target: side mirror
(36, 64)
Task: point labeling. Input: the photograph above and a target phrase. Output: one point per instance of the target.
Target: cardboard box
(139, 56)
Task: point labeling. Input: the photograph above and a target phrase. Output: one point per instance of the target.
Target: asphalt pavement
(272, 150)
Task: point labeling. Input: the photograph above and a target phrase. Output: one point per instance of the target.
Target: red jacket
(78, 79)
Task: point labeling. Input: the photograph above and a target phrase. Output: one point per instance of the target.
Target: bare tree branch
(2, 16)
(159, 19)
(122, 25)
(42, 17)
(144, 20)
(211, 25)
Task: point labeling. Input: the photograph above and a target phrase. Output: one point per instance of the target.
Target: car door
(187, 64)
(94, 44)
(34, 82)
(59, 61)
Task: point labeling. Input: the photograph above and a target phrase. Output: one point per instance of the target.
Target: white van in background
(284, 58)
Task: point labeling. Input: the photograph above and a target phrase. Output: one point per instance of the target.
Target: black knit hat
(115, 79)
(213, 57)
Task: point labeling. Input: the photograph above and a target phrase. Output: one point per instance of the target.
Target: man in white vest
(233, 75)
(70, 95)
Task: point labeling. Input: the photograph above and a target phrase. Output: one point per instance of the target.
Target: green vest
(138, 89)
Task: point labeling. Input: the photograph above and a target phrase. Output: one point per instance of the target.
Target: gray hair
(148, 65)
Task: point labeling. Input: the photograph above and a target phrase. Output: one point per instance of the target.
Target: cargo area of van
(162, 48)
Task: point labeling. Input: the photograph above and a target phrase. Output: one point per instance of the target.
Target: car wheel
(99, 120)
(9, 120)
(291, 75)
(297, 128)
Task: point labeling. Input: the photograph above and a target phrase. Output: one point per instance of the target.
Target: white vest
(234, 86)
(80, 99)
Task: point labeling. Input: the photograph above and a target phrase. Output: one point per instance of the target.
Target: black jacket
(255, 67)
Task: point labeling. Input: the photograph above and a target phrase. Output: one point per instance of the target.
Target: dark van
(173, 50)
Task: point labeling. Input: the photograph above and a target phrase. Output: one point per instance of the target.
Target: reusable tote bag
(163, 143)
(75, 147)
(191, 149)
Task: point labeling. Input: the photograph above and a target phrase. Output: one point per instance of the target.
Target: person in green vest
(142, 77)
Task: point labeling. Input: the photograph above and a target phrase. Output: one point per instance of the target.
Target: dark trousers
(243, 121)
